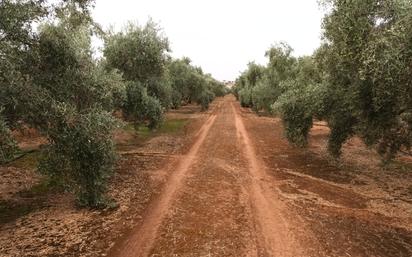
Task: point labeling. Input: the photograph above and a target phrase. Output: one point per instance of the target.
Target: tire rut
(217, 202)
(272, 227)
(140, 242)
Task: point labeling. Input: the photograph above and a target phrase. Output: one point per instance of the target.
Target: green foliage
(19, 49)
(290, 87)
(134, 105)
(205, 98)
(161, 89)
(156, 82)
(259, 87)
(218, 88)
(50, 80)
(245, 84)
(16, 20)
(141, 107)
(153, 111)
(169, 126)
(177, 99)
(302, 99)
(180, 72)
(281, 63)
(173, 126)
(8, 146)
(27, 160)
(358, 80)
(253, 74)
(191, 85)
(110, 86)
(367, 60)
(297, 108)
(263, 95)
(81, 153)
(138, 52)
(65, 59)
(245, 97)
(16, 39)
(78, 91)
(296, 120)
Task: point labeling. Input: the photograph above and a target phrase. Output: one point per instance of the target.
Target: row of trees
(51, 81)
(359, 80)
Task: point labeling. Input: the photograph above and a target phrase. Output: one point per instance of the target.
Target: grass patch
(39, 190)
(144, 132)
(10, 211)
(25, 202)
(28, 161)
(173, 126)
(400, 166)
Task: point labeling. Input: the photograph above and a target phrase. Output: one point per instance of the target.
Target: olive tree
(8, 146)
(247, 81)
(75, 96)
(290, 87)
(17, 38)
(139, 53)
(358, 80)
(140, 107)
(180, 72)
(368, 56)
(190, 84)
(81, 154)
(301, 100)
(49, 80)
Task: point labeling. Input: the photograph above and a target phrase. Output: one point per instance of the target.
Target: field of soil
(219, 183)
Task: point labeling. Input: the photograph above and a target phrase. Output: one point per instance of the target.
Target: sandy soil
(229, 185)
(39, 223)
(246, 192)
(352, 208)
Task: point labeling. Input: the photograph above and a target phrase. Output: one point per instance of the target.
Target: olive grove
(358, 80)
(51, 81)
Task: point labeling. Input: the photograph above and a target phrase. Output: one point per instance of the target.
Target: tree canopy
(51, 81)
(358, 80)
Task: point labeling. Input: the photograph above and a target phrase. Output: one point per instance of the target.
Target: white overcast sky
(222, 36)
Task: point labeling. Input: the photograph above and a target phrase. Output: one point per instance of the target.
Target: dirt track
(241, 191)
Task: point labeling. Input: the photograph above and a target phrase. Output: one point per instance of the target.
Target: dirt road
(240, 190)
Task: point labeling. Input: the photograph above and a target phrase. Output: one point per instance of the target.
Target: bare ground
(228, 185)
(249, 193)
(37, 221)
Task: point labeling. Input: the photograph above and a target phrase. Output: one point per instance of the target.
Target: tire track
(276, 239)
(140, 242)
